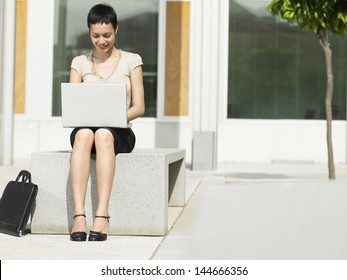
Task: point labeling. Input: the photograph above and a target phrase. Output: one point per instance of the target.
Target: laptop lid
(94, 105)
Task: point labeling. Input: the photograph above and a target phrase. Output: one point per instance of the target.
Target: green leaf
(313, 15)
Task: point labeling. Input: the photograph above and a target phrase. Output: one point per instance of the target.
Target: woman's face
(102, 36)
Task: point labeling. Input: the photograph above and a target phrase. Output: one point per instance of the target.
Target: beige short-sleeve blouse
(128, 61)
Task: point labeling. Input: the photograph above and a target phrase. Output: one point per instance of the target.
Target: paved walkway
(243, 212)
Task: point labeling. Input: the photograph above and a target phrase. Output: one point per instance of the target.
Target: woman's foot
(100, 229)
(78, 232)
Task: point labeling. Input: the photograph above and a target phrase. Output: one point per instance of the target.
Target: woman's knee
(84, 137)
(103, 138)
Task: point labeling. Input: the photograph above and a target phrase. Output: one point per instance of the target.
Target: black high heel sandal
(98, 235)
(78, 235)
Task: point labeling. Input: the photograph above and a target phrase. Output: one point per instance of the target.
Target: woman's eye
(104, 36)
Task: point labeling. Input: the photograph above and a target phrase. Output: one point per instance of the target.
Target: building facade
(226, 67)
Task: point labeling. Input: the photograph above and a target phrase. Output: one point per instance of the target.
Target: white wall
(39, 59)
(7, 80)
(238, 140)
(1, 47)
(282, 140)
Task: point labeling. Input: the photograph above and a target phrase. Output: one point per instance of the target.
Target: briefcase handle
(26, 176)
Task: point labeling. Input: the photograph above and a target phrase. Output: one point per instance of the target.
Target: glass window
(276, 70)
(138, 32)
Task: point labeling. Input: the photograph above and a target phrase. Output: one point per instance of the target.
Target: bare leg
(105, 169)
(79, 168)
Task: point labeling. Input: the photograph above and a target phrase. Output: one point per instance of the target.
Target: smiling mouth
(103, 46)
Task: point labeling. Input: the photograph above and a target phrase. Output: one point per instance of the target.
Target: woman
(110, 65)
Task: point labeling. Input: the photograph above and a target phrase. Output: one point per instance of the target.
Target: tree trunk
(328, 101)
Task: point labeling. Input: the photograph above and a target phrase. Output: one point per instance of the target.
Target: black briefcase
(16, 205)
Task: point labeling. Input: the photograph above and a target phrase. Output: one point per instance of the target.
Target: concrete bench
(146, 183)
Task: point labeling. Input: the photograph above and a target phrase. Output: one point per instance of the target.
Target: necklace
(103, 76)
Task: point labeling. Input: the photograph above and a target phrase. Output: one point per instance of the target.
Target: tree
(321, 17)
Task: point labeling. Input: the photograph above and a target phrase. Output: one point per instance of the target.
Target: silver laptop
(94, 105)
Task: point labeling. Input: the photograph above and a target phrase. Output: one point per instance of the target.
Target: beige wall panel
(177, 58)
(21, 18)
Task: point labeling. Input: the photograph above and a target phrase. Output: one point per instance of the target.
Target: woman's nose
(102, 41)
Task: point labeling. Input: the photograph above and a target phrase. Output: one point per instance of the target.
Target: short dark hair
(102, 13)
